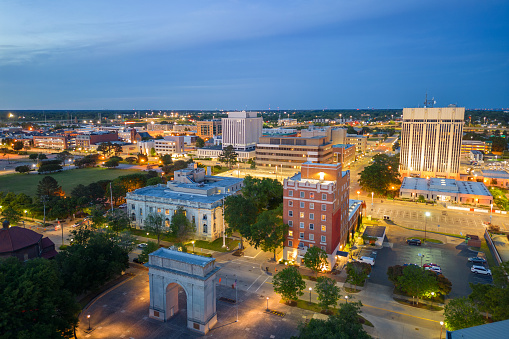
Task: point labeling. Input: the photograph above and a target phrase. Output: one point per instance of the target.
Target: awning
(342, 253)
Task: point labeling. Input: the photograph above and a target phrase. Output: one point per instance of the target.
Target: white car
(367, 260)
(480, 270)
(435, 269)
(142, 245)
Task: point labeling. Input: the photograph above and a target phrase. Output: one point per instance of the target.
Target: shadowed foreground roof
(16, 238)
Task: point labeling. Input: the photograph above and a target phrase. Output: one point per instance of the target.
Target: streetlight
(420, 255)
(491, 211)
(427, 214)
(346, 298)
(88, 317)
(372, 194)
(310, 295)
(192, 242)
(441, 328)
(267, 304)
(358, 192)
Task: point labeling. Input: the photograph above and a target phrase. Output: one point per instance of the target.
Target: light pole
(193, 245)
(358, 192)
(491, 211)
(346, 298)
(420, 255)
(310, 295)
(372, 194)
(441, 328)
(427, 214)
(267, 304)
(88, 317)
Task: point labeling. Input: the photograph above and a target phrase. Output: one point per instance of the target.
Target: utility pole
(111, 198)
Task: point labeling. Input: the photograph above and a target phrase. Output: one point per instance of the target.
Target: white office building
(168, 145)
(242, 130)
(431, 142)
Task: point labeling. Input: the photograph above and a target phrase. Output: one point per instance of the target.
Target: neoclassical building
(199, 194)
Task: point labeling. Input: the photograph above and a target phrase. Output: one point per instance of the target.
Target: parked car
(367, 260)
(415, 242)
(142, 245)
(480, 270)
(430, 265)
(435, 269)
(138, 261)
(477, 260)
(411, 265)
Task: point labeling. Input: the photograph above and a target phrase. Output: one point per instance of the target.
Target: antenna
(428, 103)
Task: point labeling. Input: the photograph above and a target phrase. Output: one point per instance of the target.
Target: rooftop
(495, 174)
(354, 205)
(16, 238)
(497, 329)
(450, 186)
(188, 258)
(374, 231)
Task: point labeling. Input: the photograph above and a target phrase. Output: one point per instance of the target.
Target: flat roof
(497, 329)
(450, 186)
(353, 206)
(188, 258)
(495, 174)
(374, 231)
(343, 145)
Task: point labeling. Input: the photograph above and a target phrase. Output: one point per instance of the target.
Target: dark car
(477, 261)
(415, 242)
(138, 261)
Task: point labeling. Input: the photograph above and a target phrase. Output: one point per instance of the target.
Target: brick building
(209, 128)
(84, 141)
(317, 209)
(343, 153)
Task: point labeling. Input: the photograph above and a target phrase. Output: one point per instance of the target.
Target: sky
(254, 55)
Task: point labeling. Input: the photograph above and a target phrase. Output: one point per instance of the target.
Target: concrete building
(316, 207)
(475, 145)
(242, 130)
(490, 178)
(449, 190)
(292, 152)
(334, 135)
(168, 145)
(199, 194)
(360, 142)
(209, 128)
(344, 154)
(51, 141)
(431, 142)
(215, 151)
(476, 156)
(84, 141)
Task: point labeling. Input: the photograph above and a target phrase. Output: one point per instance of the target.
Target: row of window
(311, 215)
(290, 244)
(311, 226)
(311, 236)
(311, 194)
(302, 204)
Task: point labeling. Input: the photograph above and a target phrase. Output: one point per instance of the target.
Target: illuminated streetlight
(441, 328)
(372, 194)
(358, 192)
(88, 317)
(427, 214)
(346, 298)
(310, 295)
(192, 242)
(267, 304)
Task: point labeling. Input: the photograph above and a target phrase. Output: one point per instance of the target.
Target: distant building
(344, 154)
(490, 177)
(431, 142)
(242, 130)
(317, 209)
(51, 141)
(199, 194)
(476, 156)
(292, 152)
(84, 141)
(334, 135)
(440, 189)
(475, 145)
(209, 128)
(360, 142)
(24, 244)
(167, 145)
(215, 151)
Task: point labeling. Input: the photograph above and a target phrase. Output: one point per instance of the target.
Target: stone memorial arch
(167, 269)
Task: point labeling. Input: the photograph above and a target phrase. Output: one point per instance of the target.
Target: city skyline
(230, 55)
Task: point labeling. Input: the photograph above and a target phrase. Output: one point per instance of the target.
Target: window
(324, 228)
(311, 216)
(324, 207)
(311, 237)
(302, 204)
(193, 219)
(301, 225)
(290, 213)
(151, 209)
(302, 194)
(311, 226)
(290, 193)
(290, 243)
(204, 217)
(302, 214)
(290, 223)
(141, 211)
(324, 196)
(324, 238)
(301, 235)
(158, 210)
(204, 228)
(290, 203)
(290, 233)
(311, 206)
(311, 195)
(132, 206)
(323, 248)
(167, 212)
(324, 217)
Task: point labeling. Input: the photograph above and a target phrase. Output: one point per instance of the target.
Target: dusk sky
(255, 55)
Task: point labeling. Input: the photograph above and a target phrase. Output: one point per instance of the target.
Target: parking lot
(452, 257)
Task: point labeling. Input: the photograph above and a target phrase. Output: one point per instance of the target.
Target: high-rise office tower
(242, 130)
(431, 142)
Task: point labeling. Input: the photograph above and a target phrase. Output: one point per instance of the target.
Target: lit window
(311, 237)
(324, 228)
(311, 226)
(290, 233)
(158, 210)
(324, 217)
(324, 207)
(302, 204)
(311, 195)
(301, 235)
(324, 238)
(167, 212)
(301, 214)
(311, 206)
(301, 225)
(290, 203)
(324, 196)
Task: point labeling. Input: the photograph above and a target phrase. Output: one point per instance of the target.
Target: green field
(23, 183)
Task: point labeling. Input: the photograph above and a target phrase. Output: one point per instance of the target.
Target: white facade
(431, 141)
(242, 130)
(214, 153)
(168, 145)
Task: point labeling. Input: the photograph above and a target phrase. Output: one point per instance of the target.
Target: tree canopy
(315, 259)
(229, 156)
(289, 283)
(381, 175)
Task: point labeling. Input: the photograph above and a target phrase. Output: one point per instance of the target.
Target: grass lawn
(434, 241)
(215, 245)
(23, 183)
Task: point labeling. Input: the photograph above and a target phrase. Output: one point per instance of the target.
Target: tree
(33, 303)
(344, 325)
(126, 241)
(23, 169)
(48, 186)
(97, 216)
(154, 223)
(153, 152)
(142, 159)
(33, 156)
(200, 143)
(81, 234)
(357, 273)
(417, 282)
(328, 292)
(151, 247)
(499, 144)
(265, 194)
(269, 231)
(45, 168)
(131, 160)
(229, 156)
(166, 159)
(111, 163)
(289, 284)
(42, 156)
(381, 175)
(118, 220)
(315, 259)
(154, 181)
(239, 214)
(461, 313)
(12, 214)
(180, 227)
(17, 145)
(351, 130)
(63, 156)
